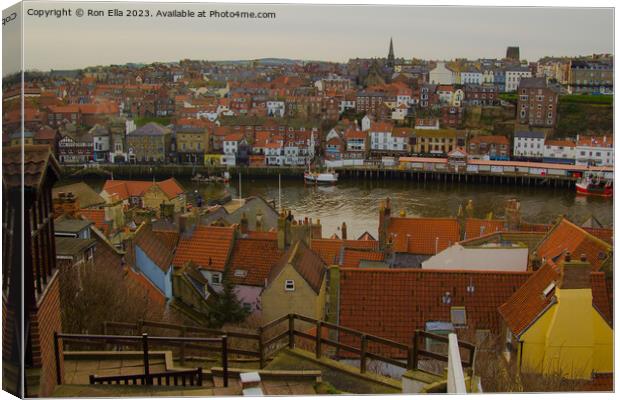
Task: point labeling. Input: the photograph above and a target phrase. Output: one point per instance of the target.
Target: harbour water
(356, 202)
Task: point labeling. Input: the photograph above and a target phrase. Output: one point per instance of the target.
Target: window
(458, 316)
(216, 278)
(241, 273)
(289, 285)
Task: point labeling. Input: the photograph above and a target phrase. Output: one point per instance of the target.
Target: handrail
(147, 377)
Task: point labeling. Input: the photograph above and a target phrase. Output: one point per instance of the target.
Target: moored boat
(321, 177)
(595, 186)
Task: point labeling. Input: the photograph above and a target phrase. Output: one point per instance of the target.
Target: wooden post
(57, 358)
(261, 350)
(414, 351)
(225, 359)
(145, 352)
(363, 354)
(183, 334)
(317, 345)
(291, 331)
(105, 327)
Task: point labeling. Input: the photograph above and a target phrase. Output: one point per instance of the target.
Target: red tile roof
(566, 236)
(140, 281)
(605, 234)
(153, 247)
(475, 227)
(525, 306)
(352, 257)
(423, 234)
(256, 257)
(330, 249)
(208, 247)
(97, 217)
(393, 303)
(126, 189)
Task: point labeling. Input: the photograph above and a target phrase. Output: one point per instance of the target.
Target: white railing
(456, 378)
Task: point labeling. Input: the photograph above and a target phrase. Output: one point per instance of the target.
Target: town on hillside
(136, 281)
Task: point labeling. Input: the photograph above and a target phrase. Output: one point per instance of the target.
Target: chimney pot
(567, 257)
(583, 257)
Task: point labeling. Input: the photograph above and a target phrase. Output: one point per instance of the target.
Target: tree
(228, 308)
(92, 293)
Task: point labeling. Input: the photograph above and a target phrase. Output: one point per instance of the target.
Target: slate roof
(393, 303)
(422, 234)
(150, 129)
(70, 225)
(566, 236)
(208, 247)
(528, 303)
(256, 257)
(251, 207)
(528, 134)
(305, 261)
(86, 196)
(69, 246)
(37, 161)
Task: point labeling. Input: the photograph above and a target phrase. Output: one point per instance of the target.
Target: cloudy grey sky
(330, 33)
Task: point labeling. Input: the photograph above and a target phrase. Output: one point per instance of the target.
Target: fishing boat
(321, 177)
(595, 186)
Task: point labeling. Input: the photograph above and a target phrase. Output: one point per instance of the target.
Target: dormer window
(289, 285)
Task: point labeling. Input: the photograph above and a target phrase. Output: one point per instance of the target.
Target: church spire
(390, 58)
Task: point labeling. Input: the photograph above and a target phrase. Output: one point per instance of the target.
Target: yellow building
(559, 321)
(437, 141)
(192, 143)
(296, 284)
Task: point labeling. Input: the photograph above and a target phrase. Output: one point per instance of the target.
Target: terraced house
(149, 143)
(192, 141)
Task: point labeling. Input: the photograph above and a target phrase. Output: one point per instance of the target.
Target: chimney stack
(244, 223)
(575, 274)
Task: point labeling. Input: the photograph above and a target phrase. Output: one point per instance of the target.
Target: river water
(357, 201)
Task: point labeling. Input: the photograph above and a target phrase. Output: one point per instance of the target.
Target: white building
(366, 122)
(562, 151)
(529, 144)
(231, 143)
(382, 138)
(441, 75)
(514, 75)
(594, 150)
(347, 105)
(471, 77)
(275, 108)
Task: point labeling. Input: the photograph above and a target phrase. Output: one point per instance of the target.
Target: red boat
(595, 186)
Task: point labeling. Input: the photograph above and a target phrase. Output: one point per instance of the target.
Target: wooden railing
(191, 377)
(269, 340)
(147, 377)
(188, 331)
(319, 341)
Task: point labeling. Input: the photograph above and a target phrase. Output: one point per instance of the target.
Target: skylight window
(241, 273)
(548, 289)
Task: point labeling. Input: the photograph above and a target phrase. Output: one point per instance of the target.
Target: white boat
(321, 177)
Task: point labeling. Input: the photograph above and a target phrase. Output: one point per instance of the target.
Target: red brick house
(38, 290)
